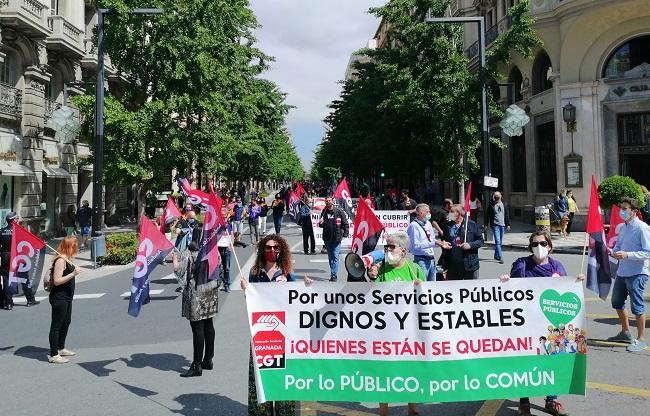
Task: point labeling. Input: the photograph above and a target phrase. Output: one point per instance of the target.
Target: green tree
(190, 95)
(416, 103)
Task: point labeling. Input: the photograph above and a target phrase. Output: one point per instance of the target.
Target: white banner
(393, 222)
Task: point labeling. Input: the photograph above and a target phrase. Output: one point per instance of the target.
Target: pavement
(128, 365)
(517, 239)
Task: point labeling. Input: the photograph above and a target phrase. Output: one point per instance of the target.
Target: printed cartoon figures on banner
(563, 340)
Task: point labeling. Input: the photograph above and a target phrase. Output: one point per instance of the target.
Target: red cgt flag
(299, 189)
(170, 214)
(614, 221)
(367, 229)
(599, 275)
(468, 198)
(344, 199)
(27, 257)
(213, 224)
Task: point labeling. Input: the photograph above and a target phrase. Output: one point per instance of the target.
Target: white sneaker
(66, 353)
(57, 359)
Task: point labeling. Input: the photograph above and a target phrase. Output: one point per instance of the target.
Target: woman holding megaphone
(396, 268)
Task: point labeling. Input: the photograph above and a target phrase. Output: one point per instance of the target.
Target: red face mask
(271, 256)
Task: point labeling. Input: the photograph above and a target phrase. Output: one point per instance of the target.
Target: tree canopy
(191, 95)
(416, 102)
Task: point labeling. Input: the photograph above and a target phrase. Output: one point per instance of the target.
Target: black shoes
(32, 303)
(207, 365)
(194, 371)
(8, 307)
(333, 278)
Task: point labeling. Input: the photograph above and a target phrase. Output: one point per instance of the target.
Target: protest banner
(400, 342)
(393, 221)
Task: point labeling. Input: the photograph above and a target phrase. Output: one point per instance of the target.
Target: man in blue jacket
(461, 261)
(335, 227)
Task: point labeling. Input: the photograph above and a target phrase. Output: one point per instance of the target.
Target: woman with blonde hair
(62, 282)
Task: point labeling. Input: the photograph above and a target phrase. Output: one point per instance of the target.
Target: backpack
(48, 284)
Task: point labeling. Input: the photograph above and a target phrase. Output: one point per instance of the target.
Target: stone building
(45, 55)
(595, 57)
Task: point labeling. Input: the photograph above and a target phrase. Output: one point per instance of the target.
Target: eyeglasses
(539, 243)
(389, 247)
(268, 248)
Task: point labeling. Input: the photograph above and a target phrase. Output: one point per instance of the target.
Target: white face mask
(451, 217)
(393, 257)
(540, 252)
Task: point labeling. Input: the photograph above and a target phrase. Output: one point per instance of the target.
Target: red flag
(367, 229)
(170, 214)
(153, 249)
(299, 189)
(195, 196)
(26, 261)
(343, 198)
(369, 201)
(212, 223)
(468, 197)
(614, 221)
(599, 274)
(293, 205)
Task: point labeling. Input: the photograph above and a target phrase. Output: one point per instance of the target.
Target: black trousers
(61, 316)
(570, 223)
(5, 295)
(308, 236)
(202, 336)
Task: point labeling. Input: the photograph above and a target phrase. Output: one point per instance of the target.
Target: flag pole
(466, 225)
(234, 252)
(61, 255)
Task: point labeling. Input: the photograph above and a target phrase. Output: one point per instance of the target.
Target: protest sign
(393, 221)
(400, 342)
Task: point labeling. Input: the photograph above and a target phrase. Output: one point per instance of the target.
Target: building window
(628, 56)
(6, 197)
(518, 163)
(545, 154)
(541, 66)
(8, 71)
(634, 129)
(516, 78)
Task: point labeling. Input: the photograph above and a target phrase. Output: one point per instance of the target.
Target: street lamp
(98, 183)
(485, 130)
(569, 116)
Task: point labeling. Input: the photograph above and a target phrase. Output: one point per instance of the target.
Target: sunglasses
(268, 248)
(390, 247)
(539, 243)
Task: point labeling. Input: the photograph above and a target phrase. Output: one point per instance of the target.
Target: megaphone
(357, 265)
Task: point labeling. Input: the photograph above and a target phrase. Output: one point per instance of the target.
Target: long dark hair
(284, 260)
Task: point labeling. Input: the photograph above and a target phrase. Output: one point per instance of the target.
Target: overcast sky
(311, 41)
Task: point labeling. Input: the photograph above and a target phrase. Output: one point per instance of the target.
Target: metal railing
(63, 29)
(490, 36)
(11, 100)
(33, 10)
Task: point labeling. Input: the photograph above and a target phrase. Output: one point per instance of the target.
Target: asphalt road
(131, 365)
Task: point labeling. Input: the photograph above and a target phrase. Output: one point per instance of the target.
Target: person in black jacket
(6, 234)
(335, 227)
(461, 261)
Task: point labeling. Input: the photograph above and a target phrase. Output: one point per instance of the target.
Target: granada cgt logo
(268, 340)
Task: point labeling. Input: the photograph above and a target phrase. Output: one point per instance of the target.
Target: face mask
(427, 217)
(625, 215)
(540, 252)
(271, 256)
(451, 217)
(393, 258)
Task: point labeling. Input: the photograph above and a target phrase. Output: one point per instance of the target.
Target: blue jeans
(333, 251)
(498, 231)
(428, 265)
(224, 253)
(632, 286)
(277, 221)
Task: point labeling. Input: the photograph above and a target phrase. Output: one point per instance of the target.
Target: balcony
(27, 16)
(490, 36)
(65, 37)
(11, 100)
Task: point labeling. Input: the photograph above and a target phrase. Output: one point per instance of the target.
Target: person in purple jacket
(539, 264)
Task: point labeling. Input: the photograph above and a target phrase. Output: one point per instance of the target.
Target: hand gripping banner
(153, 249)
(432, 342)
(27, 257)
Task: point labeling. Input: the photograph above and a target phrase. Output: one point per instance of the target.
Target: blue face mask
(625, 215)
(427, 217)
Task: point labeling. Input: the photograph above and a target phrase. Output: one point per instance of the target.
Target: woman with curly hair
(272, 264)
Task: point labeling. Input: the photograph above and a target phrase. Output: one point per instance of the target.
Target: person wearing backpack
(61, 287)
(304, 220)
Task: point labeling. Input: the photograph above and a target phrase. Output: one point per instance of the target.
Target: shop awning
(14, 169)
(56, 172)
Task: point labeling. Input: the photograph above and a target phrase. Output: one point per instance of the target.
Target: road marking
(151, 292)
(170, 276)
(308, 408)
(490, 408)
(21, 299)
(606, 316)
(89, 296)
(612, 388)
(605, 343)
(318, 260)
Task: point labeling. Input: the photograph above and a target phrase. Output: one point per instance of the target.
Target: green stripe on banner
(427, 381)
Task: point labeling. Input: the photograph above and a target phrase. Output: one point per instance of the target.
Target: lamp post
(485, 130)
(569, 116)
(98, 183)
